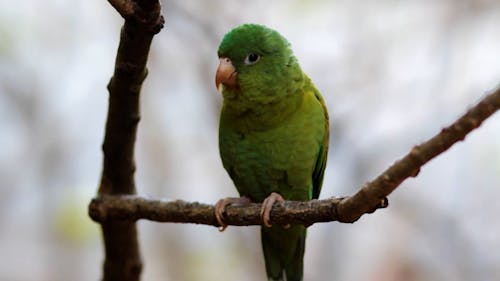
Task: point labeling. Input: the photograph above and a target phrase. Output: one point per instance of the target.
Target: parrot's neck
(255, 116)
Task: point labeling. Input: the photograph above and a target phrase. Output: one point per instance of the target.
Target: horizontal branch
(369, 198)
(130, 207)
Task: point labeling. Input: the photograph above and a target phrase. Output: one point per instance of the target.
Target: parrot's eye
(252, 58)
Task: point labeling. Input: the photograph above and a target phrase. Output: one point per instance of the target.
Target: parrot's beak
(226, 74)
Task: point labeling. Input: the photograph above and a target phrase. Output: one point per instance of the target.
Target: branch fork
(144, 12)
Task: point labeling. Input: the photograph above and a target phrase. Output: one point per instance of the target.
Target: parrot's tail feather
(284, 252)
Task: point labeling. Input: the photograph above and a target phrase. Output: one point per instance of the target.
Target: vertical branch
(142, 21)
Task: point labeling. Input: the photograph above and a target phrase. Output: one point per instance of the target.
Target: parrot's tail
(284, 252)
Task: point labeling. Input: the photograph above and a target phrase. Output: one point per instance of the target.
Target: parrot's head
(255, 61)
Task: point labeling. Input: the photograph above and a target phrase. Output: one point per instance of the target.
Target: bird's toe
(267, 206)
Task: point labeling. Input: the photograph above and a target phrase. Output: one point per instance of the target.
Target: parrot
(273, 137)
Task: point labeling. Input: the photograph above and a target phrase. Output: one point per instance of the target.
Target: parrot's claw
(267, 206)
(220, 208)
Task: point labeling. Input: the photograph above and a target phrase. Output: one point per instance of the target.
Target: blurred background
(393, 73)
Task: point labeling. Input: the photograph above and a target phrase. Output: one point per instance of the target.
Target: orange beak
(226, 74)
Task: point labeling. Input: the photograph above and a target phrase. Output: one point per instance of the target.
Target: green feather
(273, 136)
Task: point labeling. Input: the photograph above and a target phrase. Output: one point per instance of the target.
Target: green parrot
(273, 136)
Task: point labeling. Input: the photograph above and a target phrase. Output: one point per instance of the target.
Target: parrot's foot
(267, 206)
(220, 208)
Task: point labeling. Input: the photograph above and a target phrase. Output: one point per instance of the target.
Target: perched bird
(273, 136)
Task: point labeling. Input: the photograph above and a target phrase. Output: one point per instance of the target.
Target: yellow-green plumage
(273, 136)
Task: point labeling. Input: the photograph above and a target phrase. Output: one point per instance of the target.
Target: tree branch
(142, 21)
(144, 12)
(370, 197)
(351, 209)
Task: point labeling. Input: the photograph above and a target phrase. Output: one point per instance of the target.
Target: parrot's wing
(319, 168)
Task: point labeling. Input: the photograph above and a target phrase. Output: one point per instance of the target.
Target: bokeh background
(393, 74)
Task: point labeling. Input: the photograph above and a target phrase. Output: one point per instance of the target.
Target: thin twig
(409, 166)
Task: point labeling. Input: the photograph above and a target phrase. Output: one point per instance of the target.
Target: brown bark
(122, 255)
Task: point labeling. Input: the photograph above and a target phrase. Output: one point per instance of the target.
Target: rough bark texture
(122, 255)
(370, 197)
(132, 208)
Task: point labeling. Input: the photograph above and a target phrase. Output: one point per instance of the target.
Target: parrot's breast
(279, 159)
